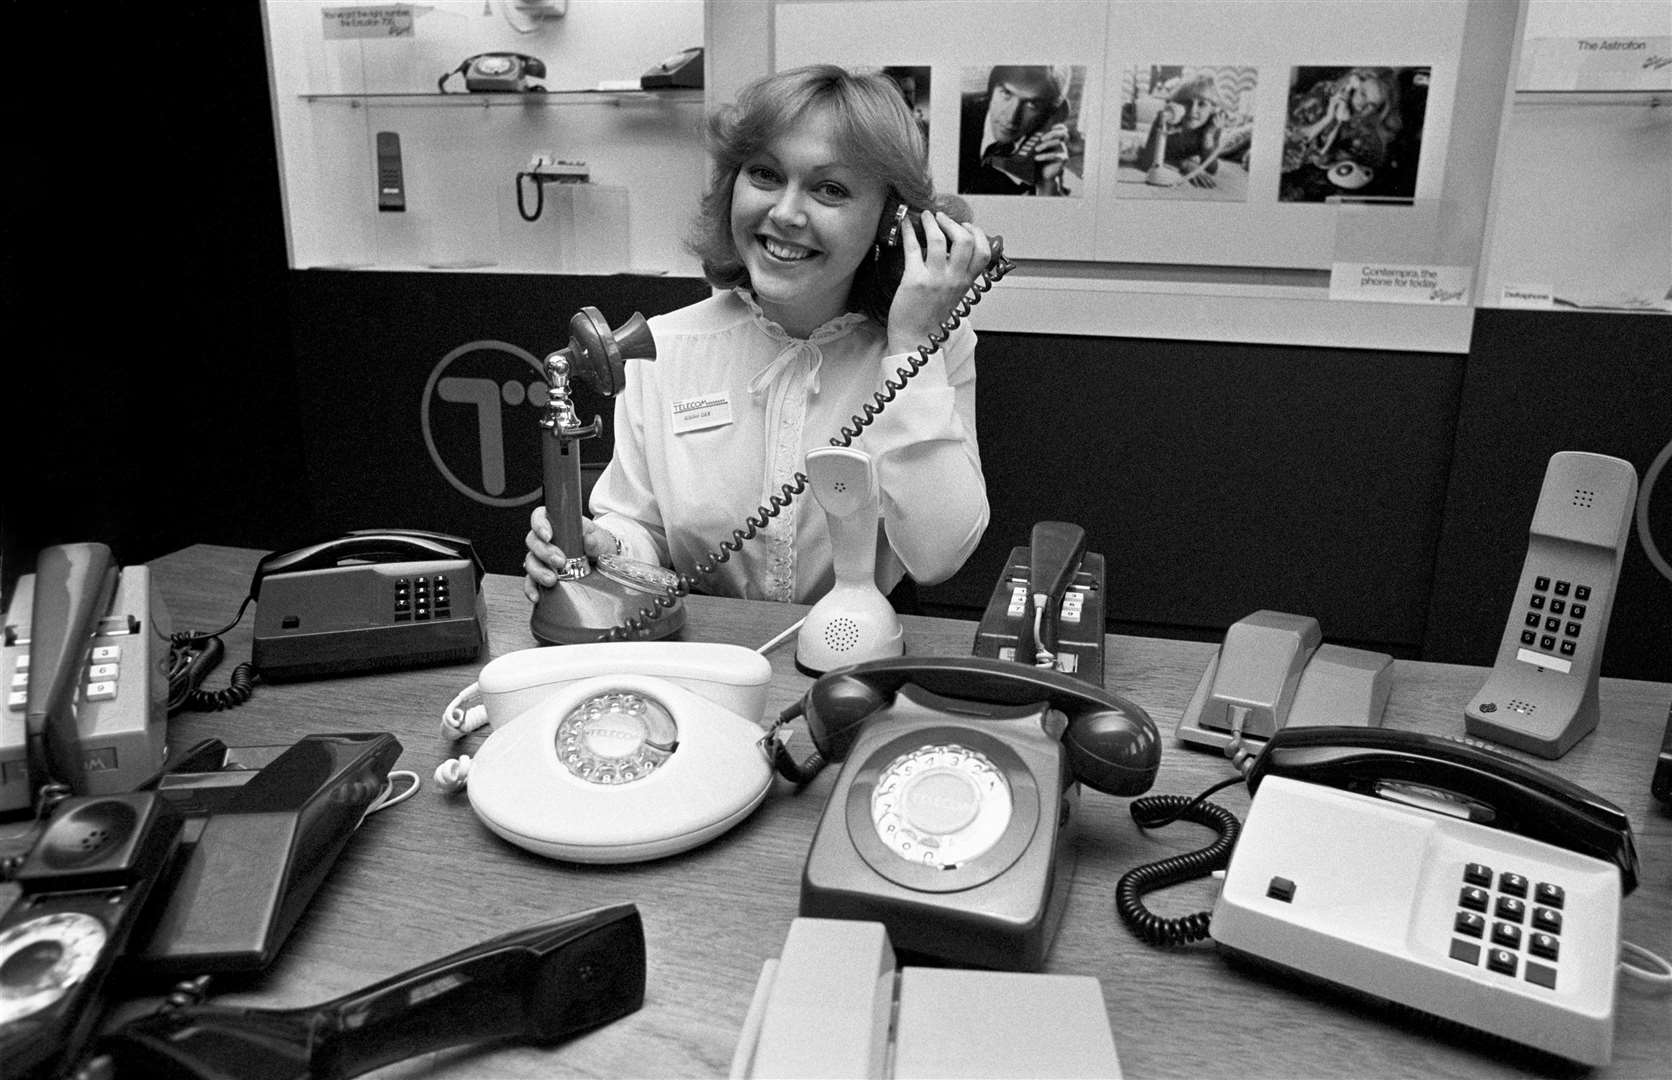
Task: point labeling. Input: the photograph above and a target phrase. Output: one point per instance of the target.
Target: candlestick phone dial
(953, 818)
(614, 598)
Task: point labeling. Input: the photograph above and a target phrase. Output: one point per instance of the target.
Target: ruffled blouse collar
(840, 326)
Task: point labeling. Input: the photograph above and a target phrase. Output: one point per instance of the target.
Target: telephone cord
(1153, 812)
(639, 624)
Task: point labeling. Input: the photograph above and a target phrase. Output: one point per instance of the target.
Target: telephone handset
(1274, 671)
(1489, 896)
(495, 72)
(1017, 158)
(86, 661)
(1047, 607)
(1542, 694)
(370, 600)
(1461, 779)
(953, 816)
(614, 751)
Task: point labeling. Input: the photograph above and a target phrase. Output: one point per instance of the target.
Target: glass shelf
(525, 100)
(1653, 99)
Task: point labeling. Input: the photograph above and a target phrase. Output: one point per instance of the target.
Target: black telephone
(86, 659)
(497, 72)
(1047, 607)
(370, 600)
(953, 817)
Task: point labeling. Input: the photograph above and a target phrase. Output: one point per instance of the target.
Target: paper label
(1395, 284)
(1527, 296)
(384, 21)
(699, 413)
(1597, 63)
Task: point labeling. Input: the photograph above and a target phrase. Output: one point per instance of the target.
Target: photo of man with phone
(1015, 136)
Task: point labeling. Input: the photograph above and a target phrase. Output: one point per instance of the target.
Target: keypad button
(1577, 611)
(1532, 619)
(1547, 643)
(1506, 934)
(1569, 647)
(1544, 945)
(1583, 592)
(1528, 637)
(1536, 603)
(1549, 895)
(1557, 607)
(1469, 922)
(1510, 908)
(1562, 588)
(1571, 629)
(1477, 874)
(1552, 624)
(1547, 919)
(1513, 884)
(1466, 951)
(1472, 898)
(1541, 975)
(1502, 961)
(1541, 583)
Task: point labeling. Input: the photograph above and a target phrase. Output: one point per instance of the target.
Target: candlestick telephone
(952, 820)
(1489, 897)
(627, 599)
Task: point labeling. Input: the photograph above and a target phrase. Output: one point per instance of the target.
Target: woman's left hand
(938, 273)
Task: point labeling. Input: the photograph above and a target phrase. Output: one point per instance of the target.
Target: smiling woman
(812, 311)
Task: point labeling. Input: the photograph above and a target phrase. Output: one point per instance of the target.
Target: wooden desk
(426, 878)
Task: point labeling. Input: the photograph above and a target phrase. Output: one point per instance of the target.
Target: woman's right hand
(545, 560)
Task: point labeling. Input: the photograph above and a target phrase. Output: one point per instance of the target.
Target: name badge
(698, 413)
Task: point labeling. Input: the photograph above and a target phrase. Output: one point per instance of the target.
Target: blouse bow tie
(793, 349)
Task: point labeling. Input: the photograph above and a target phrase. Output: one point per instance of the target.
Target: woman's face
(1197, 111)
(803, 221)
(1364, 96)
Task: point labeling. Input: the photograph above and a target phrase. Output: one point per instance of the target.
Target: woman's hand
(545, 560)
(938, 272)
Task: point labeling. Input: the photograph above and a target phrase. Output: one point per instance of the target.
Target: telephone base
(1340, 687)
(1080, 627)
(586, 609)
(1487, 928)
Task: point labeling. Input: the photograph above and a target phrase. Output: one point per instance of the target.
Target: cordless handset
(1541, 696)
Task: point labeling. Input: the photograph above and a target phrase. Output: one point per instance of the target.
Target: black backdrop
(171, 382)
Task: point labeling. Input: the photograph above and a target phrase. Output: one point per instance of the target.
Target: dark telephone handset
(1017, 158)
(367, 546)
(1111, 742)
(1461, 779)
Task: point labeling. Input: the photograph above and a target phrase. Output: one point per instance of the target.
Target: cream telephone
(610, 752)
(1275, 671)
(1542, 694)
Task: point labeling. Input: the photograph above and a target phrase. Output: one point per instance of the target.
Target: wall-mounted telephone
(952, 819)
(1047, 608)
(86, 663)
(616, 751)
(372, 600)
(1542, 694)
(834, 1004)
(1490, 896)
(497, 72)
(1275, 670)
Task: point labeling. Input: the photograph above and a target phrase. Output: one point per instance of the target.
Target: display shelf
(530, 99)
(1651, 99)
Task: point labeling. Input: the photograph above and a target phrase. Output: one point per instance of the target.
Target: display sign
(1396, 284)
(383, 21)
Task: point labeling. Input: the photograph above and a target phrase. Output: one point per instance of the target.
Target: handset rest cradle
(368, 545)
(1493, 788)
(1111, 742)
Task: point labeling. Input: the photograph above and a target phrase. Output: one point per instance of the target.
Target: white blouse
(711, 429)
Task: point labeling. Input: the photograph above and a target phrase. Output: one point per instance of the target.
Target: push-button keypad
(421, 599)
(1555, 616)
(1497, 926)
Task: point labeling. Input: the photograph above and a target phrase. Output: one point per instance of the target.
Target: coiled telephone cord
(640, 623)
(1153, 812)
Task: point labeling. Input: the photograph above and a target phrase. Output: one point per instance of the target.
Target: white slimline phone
(1542, 694)
(833, 1004)
(616, 751)
(1275, 670)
